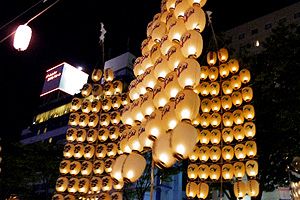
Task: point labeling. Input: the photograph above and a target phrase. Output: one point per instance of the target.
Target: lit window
(257, 43)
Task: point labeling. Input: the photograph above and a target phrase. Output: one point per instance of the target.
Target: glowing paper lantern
(98, 167)
(64, 167)
(93, 120)
(250, 129)
(203, 154)
(204, 72)
(170, 4)
(96, 184)
(191, 189)
(224, 70)
(155, 53)
(97, 75)
(153, 128)
(181, 7)
(215, 104)
(96, 106)
(253, 188)
(111, 149)
(104, 119)
(73, 119)
(68, 151)
(92, 135)
(108, 74)
(239, 169)
(215, 120)
(86, 89)
(149, 81)
(235, 82)
(203, 172)
(71, 135)
(214, 153)
(213, 73)
(204, 136)
(115, 117)
(227, 171)
(101, 151)
(134, 167)
(204, 88)
(106, 183)
(86, 168)
(108, 164)
(247, 94)
(114, 133)
(194, 155)
(192, 171)
(203, 190)
(251, 149)
(227, 119)
(61, 184)
(75, 104)
(192, 44)
(195, 19)
(116, 172)
(188, 73)
(171, 85)
(103, 134)
(160, 98)
(227, 135)
(226, 87)
(245, 76)
(174, 56)
(214, 172)
(240, 151)
(165, 44)
(78, 151)
(169, 117)
(233, 65)
(83, 120)
(97, 90)
(158, 31)
(214, 89)
(238, 117)
(136, 111)
(162, 151)
(223, 55)
(227, 153)
(215, 136)
(239, 133)
(252, 168)
(137, 67)
(200, 3)
(147, 105)
(240, 189)
(89, 151)
(22, 37)
(133, 139)
(248, 111)
(205, 120)
(237, 98)
(73, 185)
(226, 102)
(146, 143)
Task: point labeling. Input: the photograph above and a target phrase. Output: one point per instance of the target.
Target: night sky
(69, 32)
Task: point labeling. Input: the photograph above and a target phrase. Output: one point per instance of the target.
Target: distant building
(249, 36)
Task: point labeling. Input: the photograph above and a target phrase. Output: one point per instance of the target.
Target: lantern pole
(209, 13)
(101, 42)
(152, 179)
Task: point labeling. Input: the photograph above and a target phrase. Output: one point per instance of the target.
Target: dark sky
(69, 32)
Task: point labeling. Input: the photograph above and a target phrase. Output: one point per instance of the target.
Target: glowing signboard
(64, 77)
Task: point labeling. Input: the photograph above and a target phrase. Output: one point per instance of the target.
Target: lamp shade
(188, 73)
(192, 171)
(227, 171)
(171, 85)
(61, 184)
(252, 168)
(22, 37)
(203, 172)
(168, 116)
(134, 167)
(195, 19)
(191, 44)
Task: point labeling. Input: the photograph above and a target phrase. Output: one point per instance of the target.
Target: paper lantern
(86, 89)
(75, 104)
(251, 149)
(116, 172)
(214, 89)
(227, 171)
(191, 189)
(205, 120)
(68, 151)
(158, 31)
(195, 19)
(64, 167)
(69, 197)
(183, 144)
(206, 105)
(203, 172)
(103, 134)
(248, 111)
(187, 104)
(108, 89)
(115, 117)
(227, 119)
(146, 60)
(92, 135)
(194, 155)
(204, 71)
(204, 88)
(203, 190)
(200, 3)
(22, 37)
(226, 102)
(95, 184)
(160, 98)
(75, 167)
(155, 53)
(214, 153)
(235, 82)
(78, 151)
(86, 168)
(239, 170)
(227, 153)
(58, 197)
(215, 136)
(98, 167)
(253, 188)
(213, 73)
(239, 133)
(112, 149)
(146, 143)
(108, 165)
(211, 58)
(104, 119)
(162, 151)
(118, 87)
(61, 184)
(223, 55)
(192, 171)
(240, 189)
(124, 99)
(73, 119)
(117, 196)
(240, 151)
(181, 6)
(188, 73)
(247, 94)
(237, 98)
(224, 70)
(170, 4)
(165, 44)
(238, 117)
(137, 68)
(97, 90)
(169, 116)
(171, 85)
(106, 184)
(144, 45)
(203, 154)
(118, 185)
(116, 102)
(96, 106)
(233, 65)
(176, 30)
(93, 120)
(245, 76)
(81, 135)
(83, 120)
(123, 144)
(149, 80)
(204, 136)
(101, 151)
(104, 196)
(136, 111)
(192, 44)
(215, 120)
(215, 104)
(106, 105)
(133, 139)
(147, 105)
(71, 135)
(252, 168)
(214, 172)
(227, 135)
(97, 75)
(226, 87)
(174, 56)
(108, 74)
(250, 129)
(89, 151)
(164, 13)
(114, 133)
(153, 128)
(126, 115)
(134, 167)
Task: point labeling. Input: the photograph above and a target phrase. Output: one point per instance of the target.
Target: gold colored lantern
(74, 119)
(251, 149)
(235, 82)
(116, 172)
(96, 106)
(223, 55)
(146, 104)
(215, 104)
(75, 167)
(108, 74)
(245, 76)
(58, 197)
(78, 151)
(98, 168)
(247, 94)
(214, 89)
(61, 184)
(227, 153)
(194, 155)
(158, 31)
(181, 7)
(101, 151)
(211, 58)
(226, 87)
(149, 80)
(96, 184)
(86, 106)
(237, 98)
(126, 115)
(117, 196)
(204, 72)
(116, 102)
(68, 151)
(118, 87)
(92, 135)
(97, 90)
(240, 189)
(118, 185)
(203, 154)
(239, 133)
(155, 53)
(215, 119)
(224, 70)
(188, 73)
(114, 133)
(200, 3)
(86, 89)
(195, 19)
(165, 44)
(192, 171)
(133, 139)
(204, 137)
(125, 99)
(227, 119)
(192, 44)
(89, 151)
(112, 149)
(75, 104)
(205, 120)
(146, 143)
(104, 196)
(108, 164)
(97, 75)
(171, 85)
(227, 171)
(238, 117)
(153, 128)
(134, 167)
(71, 135)
(252, 168)
(170, 4)
(233, 65)
(136, 111)
(108, 89)
(204, 88)
(64, 167)
(206, 105)
(103, 134)
(137, 68)
(93, 120)
(115, 117)
(250, 129)
(123, 144)
(214, 172)
(162, 151)
(146, 60)
(176, 30)
(86, 168)
(203, 172)
(169, 116)
(106, 184)
(191, 189)
(248, 111)
(160, 98)
(214, 153)
(239, 170)
(215, 136)
(227, 135)
(213, 73)
(104, 119)
(164, 14)
(144, 45)
(106, 104)
(240, 151)
(253, 188)
(174, 56)
(203, 190)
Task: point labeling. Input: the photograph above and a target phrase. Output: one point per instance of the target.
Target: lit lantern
(204, 137)
(188, 73)
(233, 65)
(150, 44)
(213, 73)
(192, 44)
(64, 167)
(252, 168)
(104, 196)
(133, 167)
(86, 106)
(155, 53)
(239, 133)
(235, 82)
(247, 94)
(108, 164)
(226, 102)
(81, 135)
(200, 3)
(215, 136)
(144, 45)
(164, 14)
(106, 105)
(112, 149)
(203, 154)
(168, 116)
(69, 197)
(96, 184)
(191, 189)
(197, 89)
(203, 172)
(78, 151)
(75, 104)
(133, 139)
(226, 87)
(89, 151)
(253, 188)
(222, 55)
(237, 98)
(106, 183)
(211, 58)
(205, 120)
(181, 6)
(97, 90)
(74, 119)
(171, 85)
(227, 119)
(238, 117)
(240, 151)
(118, 185)
(71, 135)
(214, 172)
(156, 18)
(92, 135)
(204, 88)
(160, 98)
(136, 111)
(86, 89)
(162, 152)
(108, 74)
(215, 104)
(22, 37)
(104, 119)
(75, 167)
(248, 111)
(194, 155)
(117, 196)
(96, 106)
(153, 128)
(61, 184)
(116, 172)
(98, 167)
(108, 89)
(147, 105)
(170, 4)
(187, 105)
(158, 31)
(146, 61)
(93, 120)
(195, 19)
(126, 116)
(239, 170)
(124, 99)
(97, 75)
(86, 168)
(176, 30)
(68, 151)
(214, 89)
(204, 71)
(227, 171)
(215, 119)
(103, 134)
(192, 171)
(101, 151)
(214, 153)
(114, 133)
(123, 144)
(115, 117)
(240, 189)
(146, 143)
(116, 102)
(203, 190)
(224, 70)
(227, 135)
(205, 105)
(250, 129)
(149, 80)
(118, 87)
(137, 67)
(245, 76)
(183, 144)
(58, 197)
(174, 56)
(165, 44)
(251, 149)
(227, 153)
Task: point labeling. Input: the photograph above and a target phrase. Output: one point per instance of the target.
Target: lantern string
(209, 13)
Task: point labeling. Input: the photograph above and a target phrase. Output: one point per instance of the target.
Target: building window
(241, 36)
(268, 26)
(254, 31)
(297, 15)
(282, 20)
